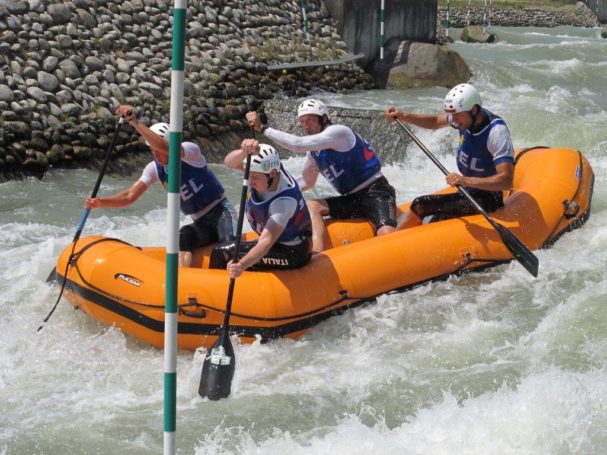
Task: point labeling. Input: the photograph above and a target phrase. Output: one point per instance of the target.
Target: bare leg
(318, 208)
(408, 220)
(185, 259)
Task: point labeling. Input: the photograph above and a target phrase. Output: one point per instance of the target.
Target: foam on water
(501, 422)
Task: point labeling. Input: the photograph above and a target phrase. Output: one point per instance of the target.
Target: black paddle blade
(52, 276)
(520, 252)
(218, 369)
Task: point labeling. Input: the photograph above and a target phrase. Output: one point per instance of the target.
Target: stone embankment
(578, 15)
(66, 66)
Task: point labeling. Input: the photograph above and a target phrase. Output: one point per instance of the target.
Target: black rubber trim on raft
(117, 298)
(528, 149)
(199, 328)
(343, 297)
(266, 333)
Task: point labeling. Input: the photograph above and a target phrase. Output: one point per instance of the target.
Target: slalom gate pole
(172, 250)
(382, 37)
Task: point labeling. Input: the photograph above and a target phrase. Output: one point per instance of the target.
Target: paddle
(85, 216)
(219, 365)
(520, 252)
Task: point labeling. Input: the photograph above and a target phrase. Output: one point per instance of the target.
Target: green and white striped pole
(382, 18)
(469, 14)
(172, 251)
(305, 19)
(447, 25)
(485, 17)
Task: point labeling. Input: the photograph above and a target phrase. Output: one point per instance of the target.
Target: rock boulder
(476, 34)
(411, 65)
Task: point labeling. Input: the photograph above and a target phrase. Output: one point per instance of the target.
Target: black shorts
(215, 226)
(280, 256)
(376, 203)
(453, 205)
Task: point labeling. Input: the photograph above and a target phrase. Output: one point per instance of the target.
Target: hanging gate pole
(447, 25)
(173, 203)
(485, 17)
(382, 37)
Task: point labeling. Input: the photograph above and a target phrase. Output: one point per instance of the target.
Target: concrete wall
(600, 8)
(358, 22)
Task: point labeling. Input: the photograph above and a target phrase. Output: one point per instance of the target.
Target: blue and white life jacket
(199, 187)
(299, 225)
(473, 156)
(346, 171)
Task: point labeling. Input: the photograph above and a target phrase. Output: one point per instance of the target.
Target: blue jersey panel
(347, 170)
(473, 156)
(199, 186)
(299, 225)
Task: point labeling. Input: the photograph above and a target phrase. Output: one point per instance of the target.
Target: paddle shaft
(220, 363)
(520, 252)
(108, 155)
(85, 216)
(443, 169)
(241, 210)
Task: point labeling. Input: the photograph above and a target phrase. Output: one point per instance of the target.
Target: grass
(496, 4)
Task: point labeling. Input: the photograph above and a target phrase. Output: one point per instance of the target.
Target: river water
(494, 363)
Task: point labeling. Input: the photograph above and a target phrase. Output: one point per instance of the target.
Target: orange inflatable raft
(124, 285)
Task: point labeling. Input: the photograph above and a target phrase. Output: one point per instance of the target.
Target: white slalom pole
(382, 29)
(305, 20)
(485, 17)
(447, 25)
(173, 203)
(468, 18)
(490, 13)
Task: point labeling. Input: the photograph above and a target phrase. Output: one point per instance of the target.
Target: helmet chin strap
(473, 116)
(324, 122)
(270, 181)
(271, 177)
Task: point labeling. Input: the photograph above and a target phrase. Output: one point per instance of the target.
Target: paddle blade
(52, 276)
(520, 252)
(218, 369)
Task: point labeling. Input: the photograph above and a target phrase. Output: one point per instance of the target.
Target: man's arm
(309, 175)
(155, 141)
(234, 159)
(429, 121)
(268, 237)
(337, 137)
(121, 199)
(501, 181)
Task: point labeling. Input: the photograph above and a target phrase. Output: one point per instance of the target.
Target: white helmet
(312, 107)
(462, 98)
(161, 129)
(267, 159)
